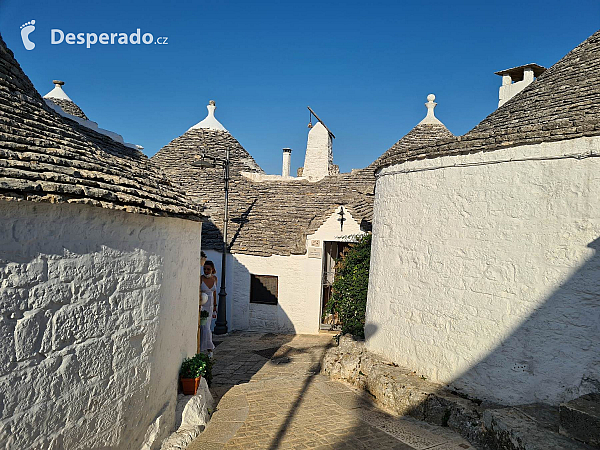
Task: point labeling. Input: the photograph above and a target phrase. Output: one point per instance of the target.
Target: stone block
(7, 349)
(25, 274)
(580, 419)
(509, 428)
(120, 301)
(45, 294)
(95, 358)
(76, 323)
(128, 347)
(28, 334)
(194, 410)
(66, 270)
(13, 299)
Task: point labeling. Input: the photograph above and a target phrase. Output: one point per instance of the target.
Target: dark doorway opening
(333, 251)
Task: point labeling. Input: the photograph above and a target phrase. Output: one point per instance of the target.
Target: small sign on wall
(314, 252)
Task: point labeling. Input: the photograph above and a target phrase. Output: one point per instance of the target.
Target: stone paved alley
(271, 395)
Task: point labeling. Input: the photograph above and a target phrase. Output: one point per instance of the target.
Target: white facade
(485, 271)
(97, 310)
(299, 279)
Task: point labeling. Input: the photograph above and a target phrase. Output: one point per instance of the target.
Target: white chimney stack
(516, 79)
(287, 161)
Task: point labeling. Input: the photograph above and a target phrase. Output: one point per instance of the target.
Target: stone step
(512, 429)
(580, 419)
(485, 425)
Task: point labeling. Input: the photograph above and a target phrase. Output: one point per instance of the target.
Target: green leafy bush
(196, 366)
(204, 314)
(349, 296)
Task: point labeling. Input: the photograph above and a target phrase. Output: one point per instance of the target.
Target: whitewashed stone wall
(97, 310)
(300, 287)
(487, 277)
(319, 153)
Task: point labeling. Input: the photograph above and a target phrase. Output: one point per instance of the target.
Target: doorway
(333, 251)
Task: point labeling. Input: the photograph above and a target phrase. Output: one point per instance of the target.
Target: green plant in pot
(192, 370)
(203, 317)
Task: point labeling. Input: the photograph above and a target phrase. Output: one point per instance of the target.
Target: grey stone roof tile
(68, 106)
(45, 157)
(266, 217)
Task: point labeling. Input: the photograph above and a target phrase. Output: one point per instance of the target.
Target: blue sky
(365, 68)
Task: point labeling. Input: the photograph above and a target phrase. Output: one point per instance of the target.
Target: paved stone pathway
(271, 395)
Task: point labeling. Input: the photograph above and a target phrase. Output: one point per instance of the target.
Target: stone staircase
(527, 427)
(580, 419)
(572, 426)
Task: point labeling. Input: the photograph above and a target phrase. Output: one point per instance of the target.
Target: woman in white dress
(208, 285)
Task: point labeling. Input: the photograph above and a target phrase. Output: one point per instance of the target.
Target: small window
(263, 289)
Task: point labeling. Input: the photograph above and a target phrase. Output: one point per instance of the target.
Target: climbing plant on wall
(349, 297)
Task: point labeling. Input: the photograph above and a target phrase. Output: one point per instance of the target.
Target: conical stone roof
(266, 217)
(563, 103)
(47, 158)
(426, 132)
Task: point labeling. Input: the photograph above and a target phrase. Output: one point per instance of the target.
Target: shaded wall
(97, 310)
(487, 276)
(299, 279)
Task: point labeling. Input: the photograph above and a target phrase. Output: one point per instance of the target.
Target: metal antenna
(322, 123)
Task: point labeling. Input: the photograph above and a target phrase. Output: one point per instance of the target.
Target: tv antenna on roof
(312, 113)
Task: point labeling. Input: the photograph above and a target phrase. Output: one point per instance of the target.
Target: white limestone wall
(319, 154)
(97, 310)
(487, 276)
(300, 288)
(299, 294)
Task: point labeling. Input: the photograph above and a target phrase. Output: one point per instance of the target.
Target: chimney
(516, 79)
(287, 160)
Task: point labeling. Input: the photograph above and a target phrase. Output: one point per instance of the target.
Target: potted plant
(192, 370)
(203, 317)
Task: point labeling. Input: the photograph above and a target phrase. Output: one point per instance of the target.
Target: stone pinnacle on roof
(210, 122)
(427, 131)
(430, 118)
(60, 98)
(58, 92)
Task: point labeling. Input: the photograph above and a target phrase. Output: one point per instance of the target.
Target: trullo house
(99, 279)
(485, 269)
(284, 231)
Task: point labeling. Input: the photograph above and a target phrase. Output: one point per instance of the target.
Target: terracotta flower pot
(190, 385)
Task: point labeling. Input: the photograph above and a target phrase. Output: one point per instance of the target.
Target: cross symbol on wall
(341, 220)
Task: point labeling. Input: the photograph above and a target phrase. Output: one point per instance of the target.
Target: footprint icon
(26, 29)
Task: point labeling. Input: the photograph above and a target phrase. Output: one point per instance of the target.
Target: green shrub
(196, 366)
(349, 296)
(204, 314)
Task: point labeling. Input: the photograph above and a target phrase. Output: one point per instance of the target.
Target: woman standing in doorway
(208, 285)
